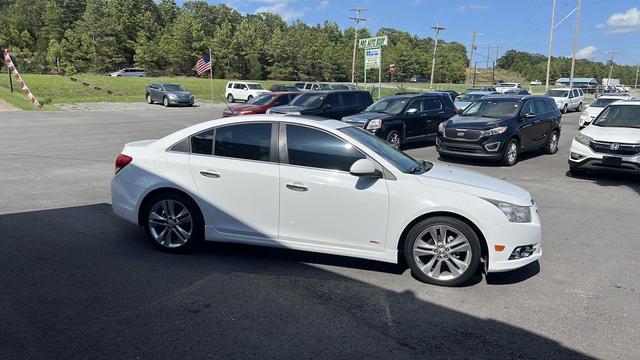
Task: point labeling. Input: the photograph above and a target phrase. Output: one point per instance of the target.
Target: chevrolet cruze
(323, 186)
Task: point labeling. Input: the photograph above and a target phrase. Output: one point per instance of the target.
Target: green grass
(17, 99)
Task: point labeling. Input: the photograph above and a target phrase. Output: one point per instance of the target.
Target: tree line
(164, 38)
(534, 67)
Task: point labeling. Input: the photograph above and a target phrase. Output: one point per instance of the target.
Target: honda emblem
(614, 146)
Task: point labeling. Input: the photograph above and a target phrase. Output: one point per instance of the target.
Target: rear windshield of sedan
(471, 97)
(261, 100)
(557, 93)
(387, 106)
(255, 86)
(624, 116)
(173, 87)
(308, 100)
(600, 103)
(497, 109)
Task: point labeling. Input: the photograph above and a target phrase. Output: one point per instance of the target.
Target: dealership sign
(374, 42)
(372, 59)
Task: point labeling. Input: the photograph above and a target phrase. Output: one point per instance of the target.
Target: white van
(245, 91)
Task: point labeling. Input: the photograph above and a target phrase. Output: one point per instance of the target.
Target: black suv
(500, 128)
(400, 119)
(333, 104)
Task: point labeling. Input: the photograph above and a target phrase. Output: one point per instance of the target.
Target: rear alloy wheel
(552, 144)
(172, 223)
(230, 98)
(442, 251)
(165, 101)
(149, 100)
(394, 139)
(510, 156)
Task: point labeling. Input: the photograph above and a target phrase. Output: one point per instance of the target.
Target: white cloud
(322, 5)
(472, 7)
(284, 8)
(624, 22)
(586, 52)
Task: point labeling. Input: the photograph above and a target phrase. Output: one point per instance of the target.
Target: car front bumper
(471, 149)
(512, 236)
(583, 157)
(181, 102)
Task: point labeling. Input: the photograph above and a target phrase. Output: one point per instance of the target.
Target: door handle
(296, 186)
(210, 173)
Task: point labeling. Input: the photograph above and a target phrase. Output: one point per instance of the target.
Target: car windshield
(261, 100)
(471, 97)
(173, 87)
(308, 100)
(496, 109)
(600, 103)
(400, 160)
(387, 106)
(624, 116)
(557, 93)
(255, 86)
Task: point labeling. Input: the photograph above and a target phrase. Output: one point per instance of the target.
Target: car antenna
(224, 99)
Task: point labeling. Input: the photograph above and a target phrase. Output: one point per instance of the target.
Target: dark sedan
(168, 94)
(261, 103)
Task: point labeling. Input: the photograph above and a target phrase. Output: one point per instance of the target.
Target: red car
(260, 104)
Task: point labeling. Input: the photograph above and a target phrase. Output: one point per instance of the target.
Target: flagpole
(211, 74)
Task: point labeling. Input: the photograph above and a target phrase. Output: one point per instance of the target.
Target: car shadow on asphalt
(522, 158)
(79, 281)
(610, 178)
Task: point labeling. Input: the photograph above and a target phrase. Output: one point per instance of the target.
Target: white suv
(567, 98)
(612, 140)
(504, 87)
(238, 90)
(592, 111)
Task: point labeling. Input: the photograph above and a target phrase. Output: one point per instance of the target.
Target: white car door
(321, 203)
(236, 174)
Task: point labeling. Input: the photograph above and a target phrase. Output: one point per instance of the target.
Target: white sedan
(322, 186)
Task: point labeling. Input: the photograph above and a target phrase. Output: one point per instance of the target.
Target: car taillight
(122, 161)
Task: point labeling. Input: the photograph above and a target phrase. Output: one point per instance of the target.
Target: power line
(357, 19)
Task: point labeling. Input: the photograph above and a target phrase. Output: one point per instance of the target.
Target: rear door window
(431, 104)
(349, 99)
(333, 100)
(244, 141)
(539, 106)
(202, 143)
(528, 108)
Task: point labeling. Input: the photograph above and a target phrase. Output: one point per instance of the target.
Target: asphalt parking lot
(77, 282)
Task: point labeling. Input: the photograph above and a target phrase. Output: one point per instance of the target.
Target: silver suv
(128, 72)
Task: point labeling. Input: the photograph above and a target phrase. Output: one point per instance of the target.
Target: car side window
(364, 98)
(317, 149)
(202, 143)
(551, 105)
(282, 100)
(415, 104)
(528, 108)
(349, 99)
(430, 104)
(229, 85)
(333, 100)
(182, 146)
(539, 106)
(307, 86)
(237, 86)
(244, 141)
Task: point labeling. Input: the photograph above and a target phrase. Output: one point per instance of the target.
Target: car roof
(163, 84)
(517, 97)
(633, 102)
(480, 92)
(622, 97)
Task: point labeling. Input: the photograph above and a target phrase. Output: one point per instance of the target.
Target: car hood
(613, 134)
(461, 104)
(556, 98)
(472, 122)
(180, 93)
(287, 109)
(593, 111)
(474, 183)
(244, 107)
(365, 117)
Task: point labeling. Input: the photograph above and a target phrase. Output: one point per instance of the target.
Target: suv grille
(463, 134)
(355, 123)
(605, 147)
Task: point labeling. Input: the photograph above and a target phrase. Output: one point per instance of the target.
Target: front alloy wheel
(510, 156)
(173, 223)
(165, 101)
(394, 139)
(442, 251)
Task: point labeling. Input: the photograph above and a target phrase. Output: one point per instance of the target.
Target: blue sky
(605, 25)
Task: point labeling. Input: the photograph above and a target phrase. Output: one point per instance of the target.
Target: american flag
(203, 65)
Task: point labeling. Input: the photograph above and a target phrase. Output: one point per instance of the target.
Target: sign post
(373, 57)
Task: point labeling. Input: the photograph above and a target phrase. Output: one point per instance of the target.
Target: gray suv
(128, 72)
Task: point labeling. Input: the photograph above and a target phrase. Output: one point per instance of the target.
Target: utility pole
(357, 19)
(11, 80)
(553, 17)
(613, 53)
(488, 56)
(575, 44)
(473, 48)
(437, 28)
(637, 72)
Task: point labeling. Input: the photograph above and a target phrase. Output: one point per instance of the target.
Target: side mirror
(365, 168)
(412, 111)
(326, 107)
(528, 115)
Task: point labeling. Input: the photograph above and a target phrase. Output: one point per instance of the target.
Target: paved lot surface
(78, 282)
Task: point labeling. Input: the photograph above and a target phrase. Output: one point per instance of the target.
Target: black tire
(230, 98)
(165, 101)
(507, 158)
(552, 143)
(579, 108)
(565, 109)
(449, 222)
(196, 229)
(249, 97)
(576, 171)
(149, 99)
(395, 139)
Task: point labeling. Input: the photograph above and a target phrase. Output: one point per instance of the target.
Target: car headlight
(172, 96)
(494, 131)
(245, 112)
(584, 117)
(515, 213)
(582, 139)
(294, 113)
(268, 111)
(441, 128)
(374, 124)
